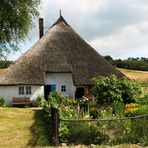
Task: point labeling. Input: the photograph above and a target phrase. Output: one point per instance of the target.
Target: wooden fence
(55, 118)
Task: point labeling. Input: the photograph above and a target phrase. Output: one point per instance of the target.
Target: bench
(21, 101)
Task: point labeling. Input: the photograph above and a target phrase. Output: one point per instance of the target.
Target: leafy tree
(110, 59)
(15, 20)
(130, 63)
(5, 64)
(112, 89)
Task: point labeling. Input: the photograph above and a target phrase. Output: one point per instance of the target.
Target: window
(21, 90)
(63, 88)
(28, 90)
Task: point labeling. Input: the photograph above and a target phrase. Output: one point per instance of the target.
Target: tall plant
(112, 89)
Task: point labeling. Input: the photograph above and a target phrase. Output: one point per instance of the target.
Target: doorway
(48, 89)
(79, 92)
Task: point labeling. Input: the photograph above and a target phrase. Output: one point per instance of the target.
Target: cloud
(130, 42)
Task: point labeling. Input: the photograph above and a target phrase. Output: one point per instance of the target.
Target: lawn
(22, 127)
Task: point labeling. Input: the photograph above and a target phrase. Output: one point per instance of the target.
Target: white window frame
(28, 90)
(24, 90)
(21, 90)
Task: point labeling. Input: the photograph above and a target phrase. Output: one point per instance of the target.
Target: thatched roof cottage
(60, 61)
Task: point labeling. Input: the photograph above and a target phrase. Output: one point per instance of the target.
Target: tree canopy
(15, 20)
(130, 63)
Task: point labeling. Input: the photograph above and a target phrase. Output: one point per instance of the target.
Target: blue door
(53, 88)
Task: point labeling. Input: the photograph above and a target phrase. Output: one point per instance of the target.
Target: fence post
(55, 120)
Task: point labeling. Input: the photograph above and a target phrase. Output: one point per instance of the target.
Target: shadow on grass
(38, 130)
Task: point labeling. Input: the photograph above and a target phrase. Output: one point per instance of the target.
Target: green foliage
(143, 110)
(87, 133)
(39, 102)
(118, 108)
(134, 132)
(130, 63)
(55, 99)
(106, 89)
(3, 102)
(5, 64)
(111, 132)
(142, 100)
(130, 90)
(111, 89)
(15, 19)
(84, 104)
(94, 113)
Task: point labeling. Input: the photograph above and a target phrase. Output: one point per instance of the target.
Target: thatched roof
(60, 50)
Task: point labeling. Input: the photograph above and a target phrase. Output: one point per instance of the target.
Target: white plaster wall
(12, 91)
(60, 79)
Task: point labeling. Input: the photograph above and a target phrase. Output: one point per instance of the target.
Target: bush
(142, 100)
(3, 102)
(136, 133)
(112, 89)
(55, 99)
(82, 133)
(39, 102)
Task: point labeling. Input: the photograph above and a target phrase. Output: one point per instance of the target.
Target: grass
(21, 127)
(24, 127)
(140, 76)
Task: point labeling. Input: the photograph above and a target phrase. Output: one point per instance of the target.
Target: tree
(109, 59)
(112, 89)
(15, 20)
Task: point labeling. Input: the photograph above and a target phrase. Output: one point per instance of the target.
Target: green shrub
(112, 89)
(3, 102)
(55, 99)
(142, 100)
(39, 102)
(82, 133)
(136, 133)
(84, 104)
(118, 108)
(94, 113)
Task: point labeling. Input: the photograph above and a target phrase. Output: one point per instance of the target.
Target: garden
(117, 114)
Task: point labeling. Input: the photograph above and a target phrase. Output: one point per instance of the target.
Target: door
(48, 89)
(79, 92)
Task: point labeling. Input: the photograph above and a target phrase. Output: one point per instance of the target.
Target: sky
(118, 28)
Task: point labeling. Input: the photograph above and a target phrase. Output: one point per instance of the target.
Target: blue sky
(112, 27)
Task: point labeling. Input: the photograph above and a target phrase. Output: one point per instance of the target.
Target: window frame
(63, 88)
(21, 90)
(24, 90)
(28, 90)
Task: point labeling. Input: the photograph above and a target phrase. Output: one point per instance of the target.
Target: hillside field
(140, 76)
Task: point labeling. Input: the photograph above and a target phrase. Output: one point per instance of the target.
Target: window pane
(63, 88)
(21, 90)
(28, 90)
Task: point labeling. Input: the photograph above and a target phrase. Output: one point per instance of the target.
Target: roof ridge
(60, 19)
